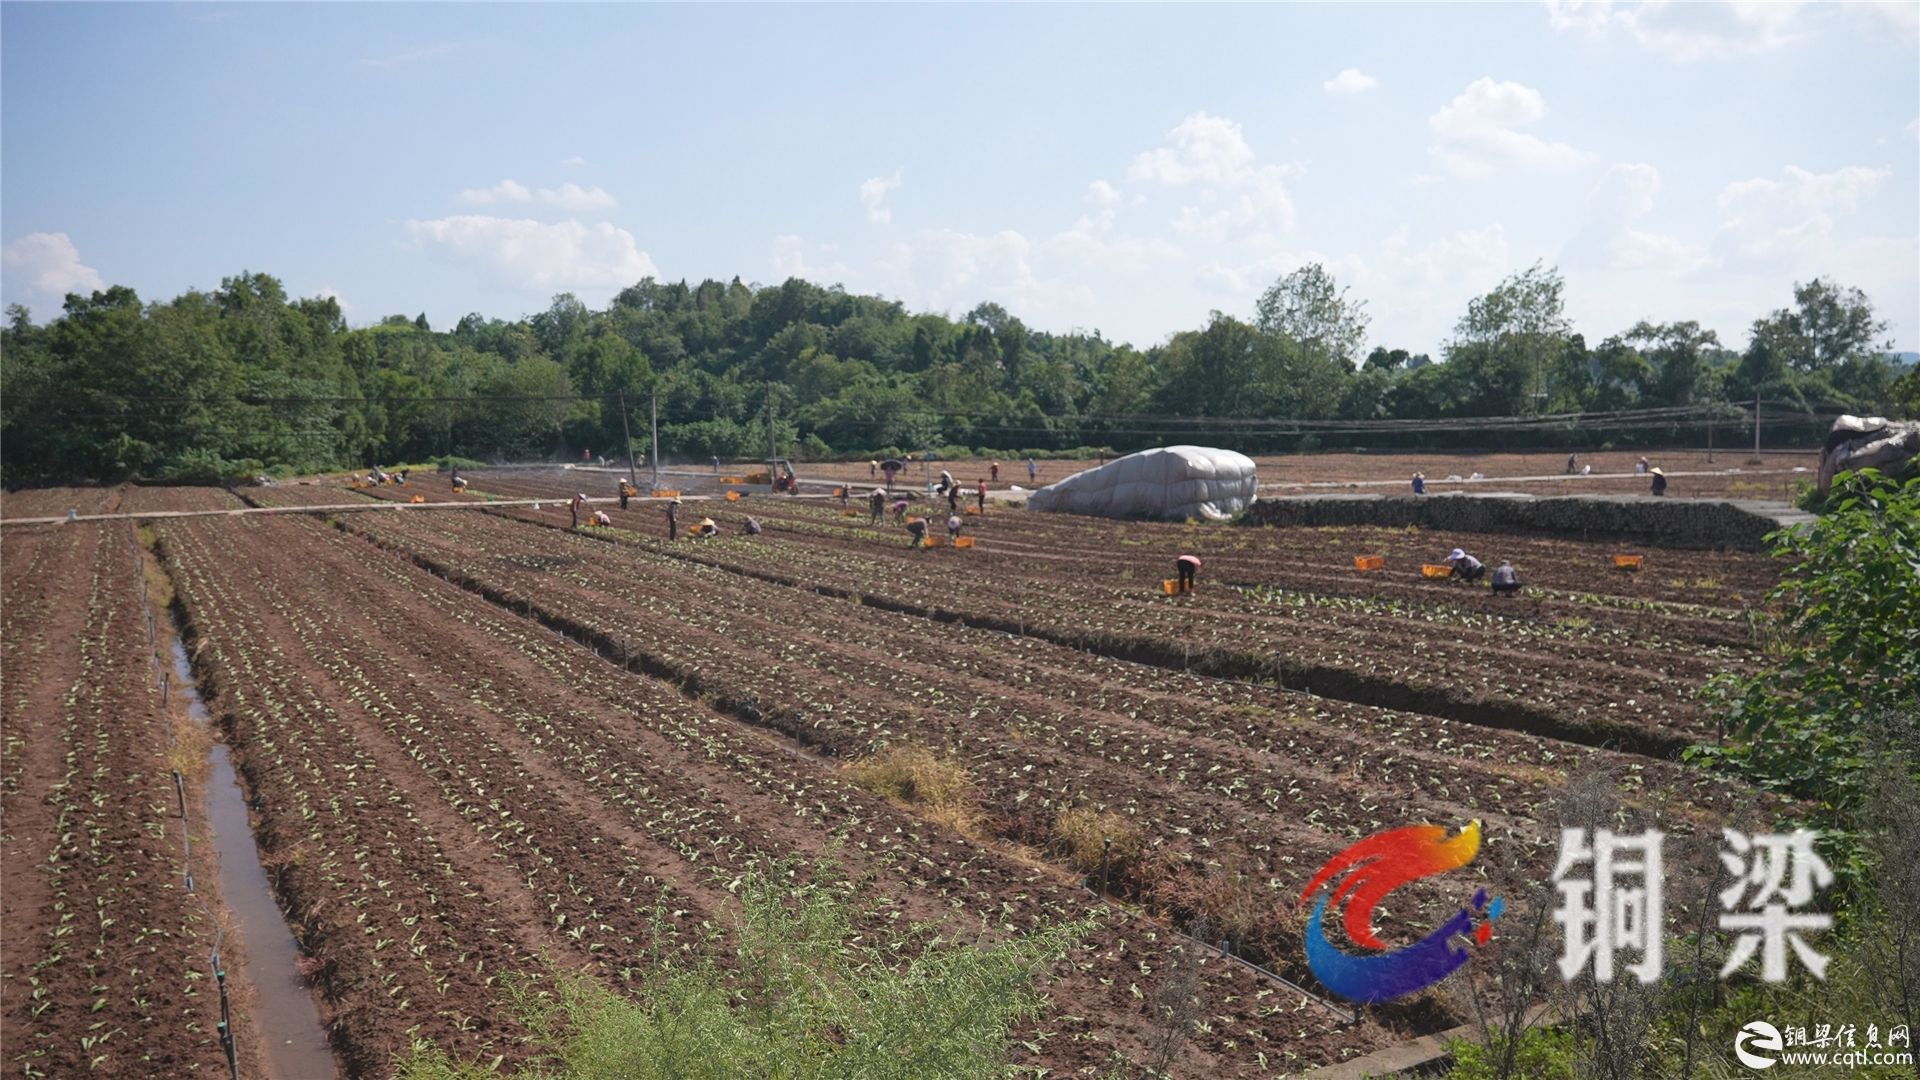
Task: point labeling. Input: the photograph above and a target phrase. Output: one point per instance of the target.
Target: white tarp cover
(1861, 442)
(1176, 482)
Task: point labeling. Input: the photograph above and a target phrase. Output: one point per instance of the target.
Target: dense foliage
(246, 378)
(1846, 671)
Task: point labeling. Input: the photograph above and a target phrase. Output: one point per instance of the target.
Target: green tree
(1506, 344)
(1310, 308)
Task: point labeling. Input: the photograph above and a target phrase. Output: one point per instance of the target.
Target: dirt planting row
(108, 955)
(448, 790)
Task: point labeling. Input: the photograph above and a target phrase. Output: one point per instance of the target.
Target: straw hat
(1457, 555)
(1657, 472)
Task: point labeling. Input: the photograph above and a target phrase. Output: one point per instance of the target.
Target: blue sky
(1121, 168)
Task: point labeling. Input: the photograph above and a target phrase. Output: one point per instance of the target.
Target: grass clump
(1081, 833)
(808, 992)
(938, 787)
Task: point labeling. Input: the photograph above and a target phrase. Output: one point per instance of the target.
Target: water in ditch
(283, 1012)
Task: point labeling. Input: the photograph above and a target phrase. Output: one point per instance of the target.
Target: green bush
(1542, 1054)
(1847, 649)
(806, 994)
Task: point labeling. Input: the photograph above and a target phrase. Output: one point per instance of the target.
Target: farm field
(1774, 479)
(479, 744)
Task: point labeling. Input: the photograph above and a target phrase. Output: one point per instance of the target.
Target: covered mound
(1169, 482)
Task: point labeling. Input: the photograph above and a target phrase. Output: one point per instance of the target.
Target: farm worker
(917, 529)
(600, 518)
(845, 492)
(983, 496)
(573, 507)
(1419, 484)
(401, 477)
(953, 526)
(673, 520)
(876, 505)
(1188, 567)
(872, 466)
(72, 514)
(1659, 482)
(1570, 464)
(953, 499)
(752, 527)
(716, 463)
(1033, 472)
(994, 470)
(946, 481)
(586, 456)
(624, 495)
(707, 528)
(1506, 581)
(459, 482)
(891, 466)
(1586, 470)
(899, 509)
(1640, 466)
(1465, 566)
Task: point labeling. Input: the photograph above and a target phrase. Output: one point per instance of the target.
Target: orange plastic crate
(1170, 586)
(666, 494)
(1431, 570)
(1369, 562)
(1627, 562)
(733, 496)
(963, 541)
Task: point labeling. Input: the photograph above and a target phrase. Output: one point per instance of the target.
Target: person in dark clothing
(877, 506)
(1572, 464)
(916, 530)
(752, 527)
(1419, 484)
(673, 519)
(625, 494)
(1465, 566)
(953, 499)
(1659, 482)
(573, 507)
(1506, 581)
(1188, 567)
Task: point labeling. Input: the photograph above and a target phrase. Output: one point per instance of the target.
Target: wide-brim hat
(1657, 471)
(1456, 555)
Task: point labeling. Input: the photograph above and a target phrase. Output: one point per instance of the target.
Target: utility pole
(1756, 426)
(656, 439)
(628, 432)
(773, 443)
(1710, 413)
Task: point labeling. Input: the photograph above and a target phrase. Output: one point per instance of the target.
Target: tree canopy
(245, 378)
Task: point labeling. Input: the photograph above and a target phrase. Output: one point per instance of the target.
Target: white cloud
(873, 196)
(51, 265)
(574, 162)
(1479, 131)
(539, 255)
(1350, 81)
(1688, 31)
(1202, 149)
(790, 261)
(1913, 128)
(333, 294)
(1101, 193)
(1092, 244)
(1259, 205)
(1608, 237)
(574, 198)
(1765, 219)
(945, 267)
(504, 191)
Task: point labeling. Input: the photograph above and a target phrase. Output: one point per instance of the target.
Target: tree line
(246, 379)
